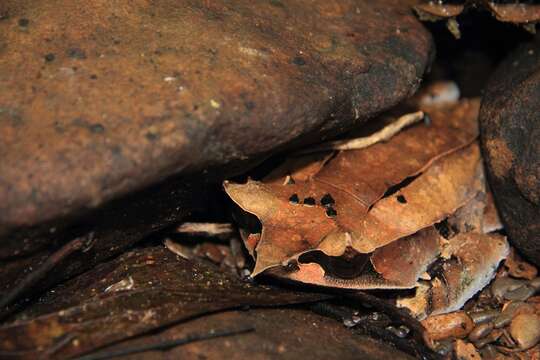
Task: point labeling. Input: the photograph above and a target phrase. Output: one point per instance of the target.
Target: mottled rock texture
(510, 128)
(102, 98)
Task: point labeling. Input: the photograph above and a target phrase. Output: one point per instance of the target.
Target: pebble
(492, 337)
(454, 325)
(489, 352)
(503, 285)
(481, 317)
(525, 330)
(465, 351)
(506, 315)
(400, 332)
(521, 293)
(481, 331)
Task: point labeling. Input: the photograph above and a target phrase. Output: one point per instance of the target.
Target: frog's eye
(294, 199)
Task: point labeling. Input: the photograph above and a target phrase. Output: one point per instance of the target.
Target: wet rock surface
(138, 292)
(100, 99)
(510, 128)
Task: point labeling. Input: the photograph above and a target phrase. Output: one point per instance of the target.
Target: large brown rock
(101, 98)
(510, 128)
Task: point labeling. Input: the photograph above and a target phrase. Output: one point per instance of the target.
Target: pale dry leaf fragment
(206, 229)
(122, 285)
(363, 142)
(182, 251)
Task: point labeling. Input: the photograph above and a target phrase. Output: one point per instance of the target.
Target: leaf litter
(371, 217)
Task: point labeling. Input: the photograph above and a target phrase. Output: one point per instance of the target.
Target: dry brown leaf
(356, 180)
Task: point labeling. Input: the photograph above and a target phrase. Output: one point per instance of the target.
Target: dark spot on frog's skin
(152, 136)
(76, 53)
(298, 60)
(49, 57)
(294, 199)
(309, 201)
(401, 199)
(93, 77)
(23, 22)
(97, 128)
(427, 119)
(331, 212)
(327, 200)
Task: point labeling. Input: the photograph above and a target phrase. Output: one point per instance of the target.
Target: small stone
(525, 330)
(466, 351)
(453, 325)
(520, 294)
(491, 338)
(481, 317)
(510, 311)
(480, 331)
(503, 285)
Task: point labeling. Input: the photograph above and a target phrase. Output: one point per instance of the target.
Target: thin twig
(363, 142)
(23, 286)
(165, 345)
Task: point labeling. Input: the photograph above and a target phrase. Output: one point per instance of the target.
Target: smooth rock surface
(99, 99)
(510, 129)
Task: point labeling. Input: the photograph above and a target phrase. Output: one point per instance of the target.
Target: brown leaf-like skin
(510, 127)
(404, 260)
(100, 98)
(450, 175)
